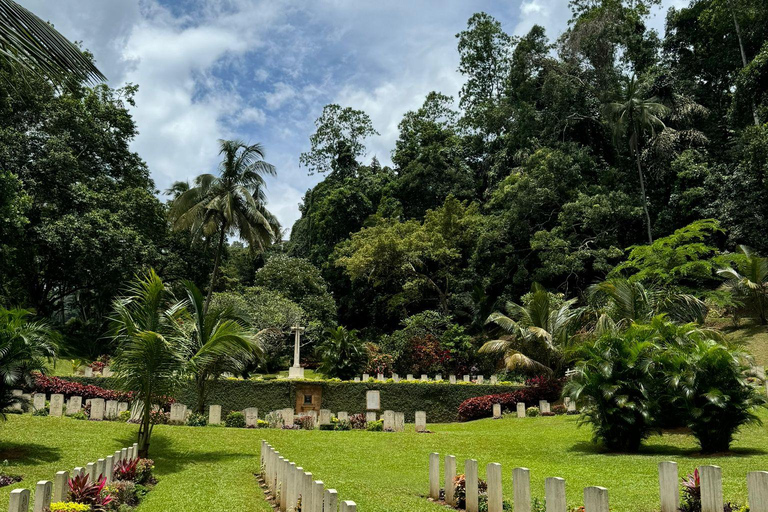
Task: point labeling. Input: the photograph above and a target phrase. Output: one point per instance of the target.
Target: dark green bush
(235, 419)
(327, 426)
(197, 420)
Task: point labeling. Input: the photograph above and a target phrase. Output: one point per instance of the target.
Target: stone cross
(297, 331)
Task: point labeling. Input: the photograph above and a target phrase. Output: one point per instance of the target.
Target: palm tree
(30, 43)
(148, 360)
(24, 347)
(212, 343)
(633, 116)
(539, 331)
(750, 281)
(232, 202)
(342, 354)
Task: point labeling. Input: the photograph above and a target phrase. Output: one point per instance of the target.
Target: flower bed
(69, 388)
(538, 388)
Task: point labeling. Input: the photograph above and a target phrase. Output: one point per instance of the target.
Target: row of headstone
(47, 492)
(595, 498)
(291, 487)
(100, 409)
(479, 379)
(105, 372)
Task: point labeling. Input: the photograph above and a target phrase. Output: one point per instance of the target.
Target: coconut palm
(32, 44)
(148, 360)
(749, 282)
(342, 353)
(25, 346)
(538, 331)
(231, 203)
(634, 117)
(212, 343)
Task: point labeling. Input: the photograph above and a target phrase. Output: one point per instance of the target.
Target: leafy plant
(144, 473)
(532, 412)
(81, 490)
(235, 419)
(749, 281)
(691, 493)
(374, 426)
(460, 489)
(126, 469)
(70, 506)
(197, 420)
(357, 421)
(344, 425)
(342, 353)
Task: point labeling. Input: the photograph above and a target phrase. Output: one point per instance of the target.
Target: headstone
(57, 405)
(466, 378)
(521, 488)
(543, 406)
(101, 466)
(452, 379)
(97, 409)
(439, 376)
(287, 415)
(348, 506)
(325, 417)
(214, 415)
(471, 491)
(17, 394)
(88, 371)
(571, 405)
(389, 420)
(494, 380)
(596, 499)
(110, 411)
(366, 377)
(496, 411)
(495, 499)
(711, 488)
(43, 493)
(395, 377)
(450, 474)
(342, 416)
(90, 470)
(135, 452)
(409, 377)
(424, 377)
(178, 413)
(399, 422)
(77, 472)
(380, 377)
(121, 407)
(109, 468)
(19, 500)
(38, 403)
(74, 404)
(521, 410)
(290, 487)
(296, 371)
(370, 416)
(306, 492)
(124, 454)
(421, 421)
(554, 494)
(318, 490)
(356, 379)
(251, 417)
(668, 487)
(757, 489)
(61, 486)
(373, 400)
(480, 379)
(434, 476)
(331, 501)
(106, 372)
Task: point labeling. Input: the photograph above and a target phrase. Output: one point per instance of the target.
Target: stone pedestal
(295, 372)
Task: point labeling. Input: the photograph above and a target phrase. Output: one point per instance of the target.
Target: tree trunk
(743, 54)
(215, 270)
(145, 429)
(642, 194)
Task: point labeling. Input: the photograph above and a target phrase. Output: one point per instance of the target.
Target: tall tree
(232, 202)
(634, 117)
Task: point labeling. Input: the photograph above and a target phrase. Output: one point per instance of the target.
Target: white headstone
(595, 499)
(521, 410)
(554, 494)
(370, 416)
(366, 377)
(110, 411)
(121, 407)
(571, 405)
(61, 486)
(373, 400)
(348, 506)
(101, 466)
(88, 371)
(19, 500)
(452, 379)
(424, 377)
(421, 421)
(495, 499)
(331, 500)
(97, 409)
(395, 377)
(711, 488)
(434, 475)
(178, 413)
(409, 377)
(471, 490)
(57, 405)
(450, 474)
(399, 422)
(251, 417)
(380, 377)
(466, 378)
(494, 380)
(757, 489)
(90, 470)
(356, 379)
(214, 415)
(43, 493)
(306, 492)
(325, 417)
(318, 490)
(439, 376)
(389, 420)
(74, 404)
(109, 468)
(480, 379)
(38, 402)
(496, 411)
(668, 487)
(521, 487)
(106, 372)
(342, 416)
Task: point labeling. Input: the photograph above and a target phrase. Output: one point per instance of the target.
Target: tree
(539, 331)
(233, 202)
(31, 44)
(749, 281)
(633, 116)
(25, 346)
(148, 361)
(342, 354)
(212, 342)
(338, 141)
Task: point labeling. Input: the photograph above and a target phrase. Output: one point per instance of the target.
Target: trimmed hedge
(440, 400)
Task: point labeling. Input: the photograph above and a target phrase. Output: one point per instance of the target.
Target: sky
(262, 70)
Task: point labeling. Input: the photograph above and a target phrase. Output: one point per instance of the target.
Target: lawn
(212, 469)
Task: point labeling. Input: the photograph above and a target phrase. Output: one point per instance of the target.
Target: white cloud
(282, 92)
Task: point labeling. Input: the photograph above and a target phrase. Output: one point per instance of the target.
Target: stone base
(295, 373)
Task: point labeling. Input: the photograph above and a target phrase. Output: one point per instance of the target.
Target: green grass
(212, 468)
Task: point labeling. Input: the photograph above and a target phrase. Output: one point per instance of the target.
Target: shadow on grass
(169, 460)
(590, 448)
(29, 453)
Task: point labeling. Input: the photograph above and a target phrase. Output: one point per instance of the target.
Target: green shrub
(327, 426)
(343, 425)
(375, 426)
(197, 420)
(79, 415)
(40, 412)
(263, 424)
(532, 411)
(235, 419)
(124, 416)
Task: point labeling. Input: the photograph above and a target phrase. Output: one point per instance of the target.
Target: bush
(538, 388)
(532, 412)
(559, 409)
(79, 415)
(126, 469)
(375, 426)
(40, 412)
(304, 422)
(344, 425)
(235, 419)
(327, 426)
(81, 490)
(197, 420)
(124, 416)
(144, 474)
(69, 506)
(460, 490)
(124, 492)
(357, 421)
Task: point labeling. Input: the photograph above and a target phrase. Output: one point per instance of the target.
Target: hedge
(538, 388)
(441, 401)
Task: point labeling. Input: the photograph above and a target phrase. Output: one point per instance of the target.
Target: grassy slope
(211, 468)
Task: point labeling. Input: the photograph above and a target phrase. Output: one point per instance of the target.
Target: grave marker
(395, 377)
(19, 500)
(121, 408)
(399, 422)
(450, 474)
(372, 400)
(554, 494)
(496, 411)
(366, 377)
(434, 476)
(521, 409)
(318, 490)
(251, 416)
(466, 378)
(97, 409)
(342, 416)
(74, 404)
(389, 420)
(470, 476)
(452, 379)
(596, 499)
(424, 377)
(348, 506)
(43, 492)
(421, 421)
(325, 417)
(757, 489)
(109, 468)
(214, 415)
(480, 379)
(668, 487)
(178, 413)
(370, 416)
(111, 410)
(61, 486)
(495, 499)
(711, 488)
(380, 377)
(409, 377)
(287, 415)
(331, 501)
(57, 405)
(521, 488)
(439, 376)
(38, 402)
(88, 371)
(494, 380)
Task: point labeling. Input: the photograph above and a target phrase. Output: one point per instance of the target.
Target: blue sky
(263, 70)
